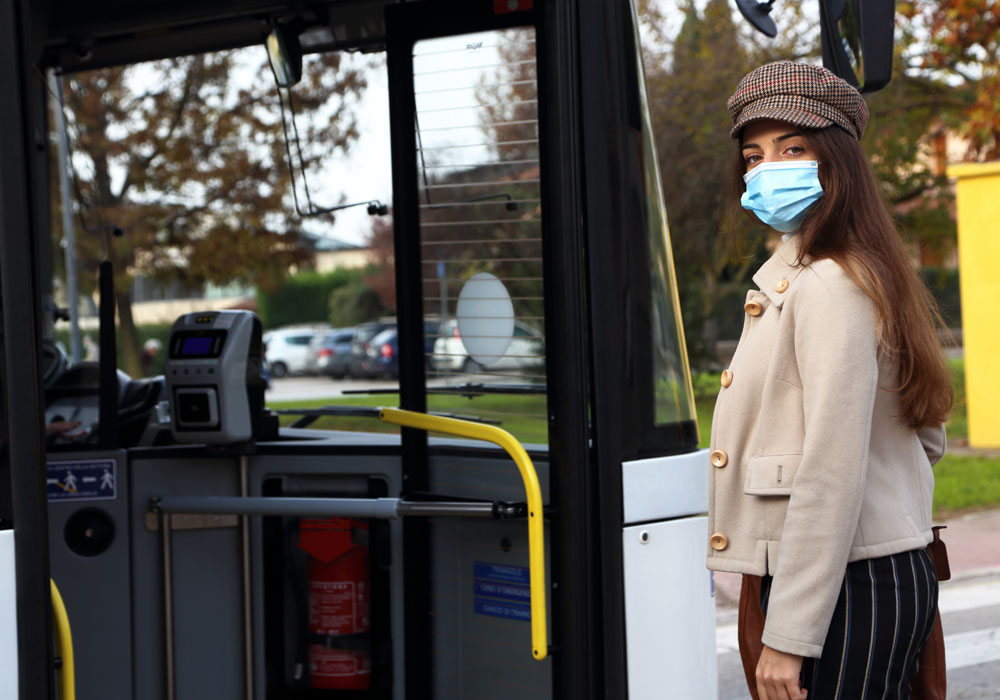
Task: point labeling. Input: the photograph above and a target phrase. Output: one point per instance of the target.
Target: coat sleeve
(934, 440)
(836, 351)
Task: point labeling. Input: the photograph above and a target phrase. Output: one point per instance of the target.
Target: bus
(536, 531)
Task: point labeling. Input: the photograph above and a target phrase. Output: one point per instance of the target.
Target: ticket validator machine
(214, 382)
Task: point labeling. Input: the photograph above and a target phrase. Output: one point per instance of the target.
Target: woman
(831, 412)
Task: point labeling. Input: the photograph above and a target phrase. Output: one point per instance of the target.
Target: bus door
(468, 219)
(535, 291)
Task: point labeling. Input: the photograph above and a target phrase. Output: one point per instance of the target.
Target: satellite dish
(759, 15)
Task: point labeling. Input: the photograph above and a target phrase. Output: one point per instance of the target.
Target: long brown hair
(852, 225)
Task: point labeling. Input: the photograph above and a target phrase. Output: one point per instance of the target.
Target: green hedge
(943, 284)
(303, 298)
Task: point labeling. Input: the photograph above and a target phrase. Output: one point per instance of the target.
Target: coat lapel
(780, 266)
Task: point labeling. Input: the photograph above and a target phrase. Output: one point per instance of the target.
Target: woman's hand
(778, 675)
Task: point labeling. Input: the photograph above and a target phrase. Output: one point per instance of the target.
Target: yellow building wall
(978, 200)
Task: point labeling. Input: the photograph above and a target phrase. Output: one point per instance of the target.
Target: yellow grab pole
(536, 528)
(64, 646)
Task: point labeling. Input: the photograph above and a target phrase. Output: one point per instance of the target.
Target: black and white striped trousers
(881, 623)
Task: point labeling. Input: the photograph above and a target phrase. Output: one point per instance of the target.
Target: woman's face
(772, 141)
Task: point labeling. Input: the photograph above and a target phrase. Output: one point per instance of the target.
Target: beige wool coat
(811, 466)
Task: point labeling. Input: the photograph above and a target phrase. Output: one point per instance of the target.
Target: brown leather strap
(931, 681)
(749, 629)
(939, 554)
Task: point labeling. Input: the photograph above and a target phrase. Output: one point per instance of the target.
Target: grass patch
(359, 423)
(706, 389)
(965, 482)
(705, 409)
(522, 416)
(958, 422)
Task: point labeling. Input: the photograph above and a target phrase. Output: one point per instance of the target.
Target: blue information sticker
(496, 608)
(504, 591)
(82, 480)
(501, 572)
(500, 590)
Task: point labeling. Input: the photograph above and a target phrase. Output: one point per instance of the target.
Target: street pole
(444, 293)
(69, 235)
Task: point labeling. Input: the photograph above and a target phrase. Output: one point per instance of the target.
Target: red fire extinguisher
(339, 610)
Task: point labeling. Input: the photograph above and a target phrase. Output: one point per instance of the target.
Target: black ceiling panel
(83, 36)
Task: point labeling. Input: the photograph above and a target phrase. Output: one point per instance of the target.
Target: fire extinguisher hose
(533, 491)
(64, 646)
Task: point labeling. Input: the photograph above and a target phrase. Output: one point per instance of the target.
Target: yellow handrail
(64, 646)
(536, 528)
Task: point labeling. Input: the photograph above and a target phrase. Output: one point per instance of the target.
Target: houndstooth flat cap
(805, 95)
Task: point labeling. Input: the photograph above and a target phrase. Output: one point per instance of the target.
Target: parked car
(366, 332)
(432, 330)
(362, 334)
(330, 353)
(382, 355)
(287, 349)
(525, 351)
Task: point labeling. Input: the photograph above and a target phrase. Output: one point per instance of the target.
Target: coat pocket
(771, 475)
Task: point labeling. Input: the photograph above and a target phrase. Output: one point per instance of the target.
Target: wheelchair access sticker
(82, 480)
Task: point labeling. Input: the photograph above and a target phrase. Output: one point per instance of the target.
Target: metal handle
(533, 492)
(377, 508)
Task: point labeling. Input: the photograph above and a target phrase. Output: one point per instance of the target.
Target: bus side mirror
(857, 40)
(285, 55)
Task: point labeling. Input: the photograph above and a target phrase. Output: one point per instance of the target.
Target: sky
(446, 72)
(364, 174)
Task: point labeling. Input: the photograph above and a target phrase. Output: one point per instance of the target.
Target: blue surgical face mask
(781, 193)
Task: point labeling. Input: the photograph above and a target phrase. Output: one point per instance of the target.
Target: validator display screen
(197, 346)
(201, 344)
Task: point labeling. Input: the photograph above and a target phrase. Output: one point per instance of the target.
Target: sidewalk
(973, 542)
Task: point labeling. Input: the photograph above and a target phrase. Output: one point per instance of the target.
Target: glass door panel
(481, 228)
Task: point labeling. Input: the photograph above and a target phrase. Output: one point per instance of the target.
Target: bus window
(188, 158)
(480, 228)
(673, 399)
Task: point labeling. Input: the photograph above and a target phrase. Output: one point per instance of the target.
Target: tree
(906, 119)
(688, 84)
(957, 42)
(946, 82)
(381, 275)
(186, 157)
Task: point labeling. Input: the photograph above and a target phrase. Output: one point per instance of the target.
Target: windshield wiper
(311, 415)
(469, 390)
